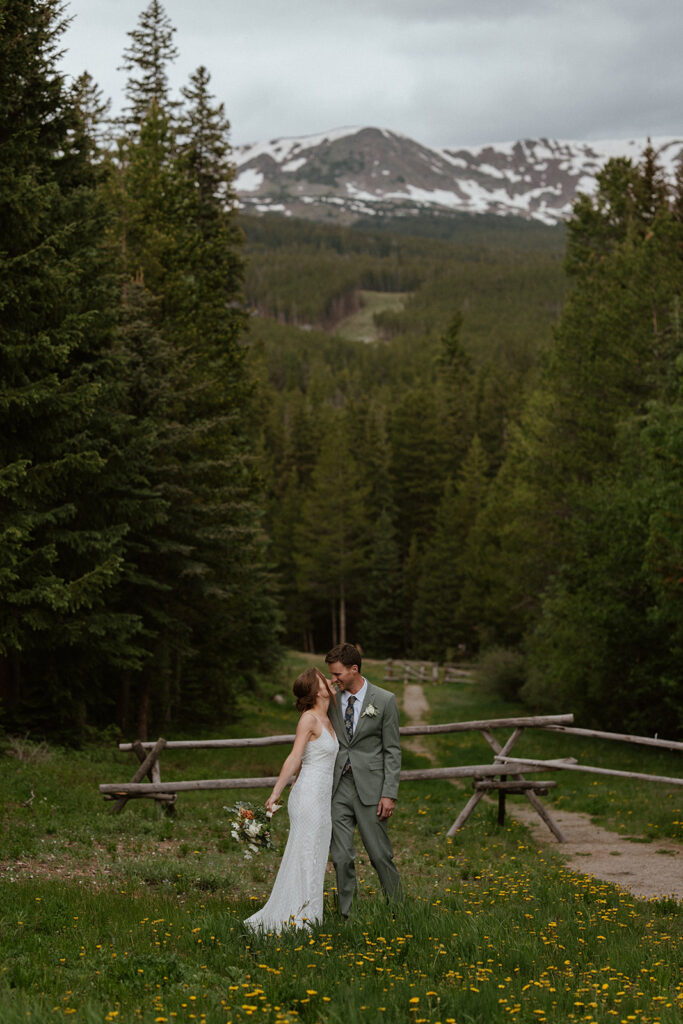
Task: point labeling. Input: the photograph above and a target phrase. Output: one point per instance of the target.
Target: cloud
(443, 71)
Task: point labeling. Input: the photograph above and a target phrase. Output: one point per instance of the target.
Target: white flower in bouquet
(251, 826)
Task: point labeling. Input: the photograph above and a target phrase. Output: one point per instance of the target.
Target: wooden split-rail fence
(407, 671)
(426, 672)
(505, 775)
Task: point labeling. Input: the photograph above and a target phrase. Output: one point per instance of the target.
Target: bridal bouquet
(250, 825)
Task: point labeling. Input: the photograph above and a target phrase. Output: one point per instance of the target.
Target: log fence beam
(145, 768)
(506, 775)
(570, 764)
(408, 775)
(539, 722)
(645, 741)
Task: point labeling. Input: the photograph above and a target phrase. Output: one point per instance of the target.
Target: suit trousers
(347, 813)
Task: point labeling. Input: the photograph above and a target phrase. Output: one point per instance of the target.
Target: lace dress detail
(296, 899)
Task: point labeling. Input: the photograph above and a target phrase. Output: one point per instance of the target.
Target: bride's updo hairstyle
(305, 689)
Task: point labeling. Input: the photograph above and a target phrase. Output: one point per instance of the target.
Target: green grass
(137, 917)
(361, 325)
(651, 810)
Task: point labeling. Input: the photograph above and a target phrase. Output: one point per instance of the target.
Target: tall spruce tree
(662, 446)
(434, 627)
(437, 630)
(331, 538)
(381, 629)
(455, 383)
(202, 589)
(148, 202)
(146, 59)
(419, 463)
(613, 354)
(61, 551)
(577, 506)
(234, 612)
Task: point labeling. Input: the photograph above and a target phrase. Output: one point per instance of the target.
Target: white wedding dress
(296, 900)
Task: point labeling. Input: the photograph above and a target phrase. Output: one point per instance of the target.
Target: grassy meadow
(361, 326)
(138, 916)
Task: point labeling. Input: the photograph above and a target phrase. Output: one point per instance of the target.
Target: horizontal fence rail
(646, 741)
(409, 775)
(506, 774)
(530, 764)
(540, 722)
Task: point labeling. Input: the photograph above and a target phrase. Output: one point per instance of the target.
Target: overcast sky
(445, 72)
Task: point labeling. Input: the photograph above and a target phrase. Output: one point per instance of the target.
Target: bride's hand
(272, 805)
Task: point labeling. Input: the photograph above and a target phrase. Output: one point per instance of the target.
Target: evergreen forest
(203, 463)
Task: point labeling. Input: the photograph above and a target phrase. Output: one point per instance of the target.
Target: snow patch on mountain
(248, 180)
(352, 172)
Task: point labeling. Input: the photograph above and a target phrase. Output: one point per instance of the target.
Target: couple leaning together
(346, 758)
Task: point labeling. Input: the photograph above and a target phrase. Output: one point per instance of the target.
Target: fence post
(147, 767)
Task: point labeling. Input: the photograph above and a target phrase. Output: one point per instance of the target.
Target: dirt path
(416, 707)
(647, 870)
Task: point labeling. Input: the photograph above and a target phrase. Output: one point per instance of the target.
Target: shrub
(25, 749)
(502, 672)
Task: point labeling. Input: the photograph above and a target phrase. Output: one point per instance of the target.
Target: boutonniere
(370, 711)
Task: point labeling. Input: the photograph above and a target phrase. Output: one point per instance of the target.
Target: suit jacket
(375, 748)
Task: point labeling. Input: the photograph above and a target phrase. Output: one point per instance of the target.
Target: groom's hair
(348, 654)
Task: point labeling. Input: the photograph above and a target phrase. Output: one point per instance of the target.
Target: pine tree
(498, 401)
(62, 552)
(148, 200)
(455, 381)
(661, 482)
(146, 60)
(614, 353)
(419, 461)
(93, 134)
(489, 610)
(201, 588)
(411, 572)
(381, 626)
(596, 647)
(436, 626)
(589, 490)
(332, 536)
(204, 135)
(236, 614)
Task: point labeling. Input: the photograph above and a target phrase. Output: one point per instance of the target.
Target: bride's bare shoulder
(311, 723)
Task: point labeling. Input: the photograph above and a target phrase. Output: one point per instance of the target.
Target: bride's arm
(292, 763)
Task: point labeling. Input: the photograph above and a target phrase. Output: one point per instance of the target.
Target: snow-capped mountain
(355, 172)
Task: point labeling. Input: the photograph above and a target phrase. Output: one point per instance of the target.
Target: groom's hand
(385, 808)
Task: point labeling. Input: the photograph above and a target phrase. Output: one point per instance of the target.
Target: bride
(296, 899)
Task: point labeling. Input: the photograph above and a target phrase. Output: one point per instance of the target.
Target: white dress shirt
(360, 697)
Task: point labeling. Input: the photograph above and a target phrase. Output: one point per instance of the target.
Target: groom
(366, 772)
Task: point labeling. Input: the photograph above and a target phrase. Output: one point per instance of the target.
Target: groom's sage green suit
(374, 754)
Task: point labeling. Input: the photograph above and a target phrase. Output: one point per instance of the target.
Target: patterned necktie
(348, 717)
(348, 725)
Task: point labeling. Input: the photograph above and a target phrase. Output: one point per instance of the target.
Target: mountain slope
(356, 172)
